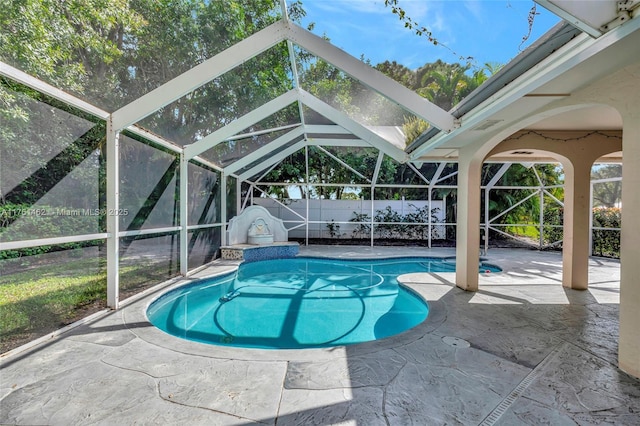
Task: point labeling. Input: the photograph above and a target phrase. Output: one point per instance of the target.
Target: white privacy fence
(426, 220)
(358, 218)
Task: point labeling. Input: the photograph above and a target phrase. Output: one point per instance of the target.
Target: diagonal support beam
(23, 78)
(357, 129)
(240, 124)
(498, 175)
(376, 172)
(272, 160)
(343, 164)
(265, 150)
(200, 75)
(436, 176)
(372, 78)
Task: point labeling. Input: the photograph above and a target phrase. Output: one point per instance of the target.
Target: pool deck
(522, 350)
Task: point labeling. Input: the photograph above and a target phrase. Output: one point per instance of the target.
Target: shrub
(362, 228)
(552, 228)
(334, 229)
(396, 225)
(606, 242)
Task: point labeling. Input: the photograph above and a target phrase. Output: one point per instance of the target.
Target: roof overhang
(579, 62)
(592, 17)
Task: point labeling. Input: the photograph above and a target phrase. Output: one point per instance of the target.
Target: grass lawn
(35, 301)
(532, 232)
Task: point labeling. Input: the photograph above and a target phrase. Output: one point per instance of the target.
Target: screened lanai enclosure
(122, 163)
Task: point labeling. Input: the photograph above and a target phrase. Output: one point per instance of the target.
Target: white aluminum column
(238, 196)
(307, 195)
(223, 208)
(113, 219)
(184, 213)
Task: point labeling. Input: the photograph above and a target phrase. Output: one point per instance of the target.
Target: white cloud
(474, 7)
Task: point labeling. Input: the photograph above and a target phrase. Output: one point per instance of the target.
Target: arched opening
(540, 137)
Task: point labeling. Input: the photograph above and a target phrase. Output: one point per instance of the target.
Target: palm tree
(445, 88)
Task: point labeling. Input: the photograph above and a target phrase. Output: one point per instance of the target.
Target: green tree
(68, 44)
(607, 194)
(447, 87)
(398, 72)
(110, 53)
(509, 200)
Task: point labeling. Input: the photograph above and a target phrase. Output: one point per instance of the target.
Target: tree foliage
(110, 53)
(607, 194)
(509, 200)
(442, 83)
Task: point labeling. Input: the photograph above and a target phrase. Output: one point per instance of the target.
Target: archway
(576, 149)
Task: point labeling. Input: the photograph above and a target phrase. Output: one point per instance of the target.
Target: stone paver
(531, 352)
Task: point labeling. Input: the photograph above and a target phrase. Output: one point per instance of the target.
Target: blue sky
(487, 30)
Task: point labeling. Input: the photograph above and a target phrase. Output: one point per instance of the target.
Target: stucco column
(575, 241)
(629, 343)
(468, 221)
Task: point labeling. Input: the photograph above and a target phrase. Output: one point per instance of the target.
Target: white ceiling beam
(331, 129)
(265, 150)
(353, 127)
(155, 138)
(42, 87)
(272, 160)
(201, 161)
(372, 78)
(240, 124)
(574, 20)
(262, 132)
(169, 145)
(358, 143)
(199, 75)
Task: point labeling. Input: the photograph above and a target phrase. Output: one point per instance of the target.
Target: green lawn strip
(37, 301)
(524, 231)
(45, 298)
(144, 274)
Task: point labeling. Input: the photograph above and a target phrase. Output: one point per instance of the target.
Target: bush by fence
(606, 242)
(389, 224)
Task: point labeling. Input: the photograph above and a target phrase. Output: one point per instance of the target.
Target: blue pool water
(297, 303)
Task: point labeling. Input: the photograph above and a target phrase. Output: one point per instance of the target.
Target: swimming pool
(297, 303)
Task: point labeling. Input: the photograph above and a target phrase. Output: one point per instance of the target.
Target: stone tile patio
(527, 352)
